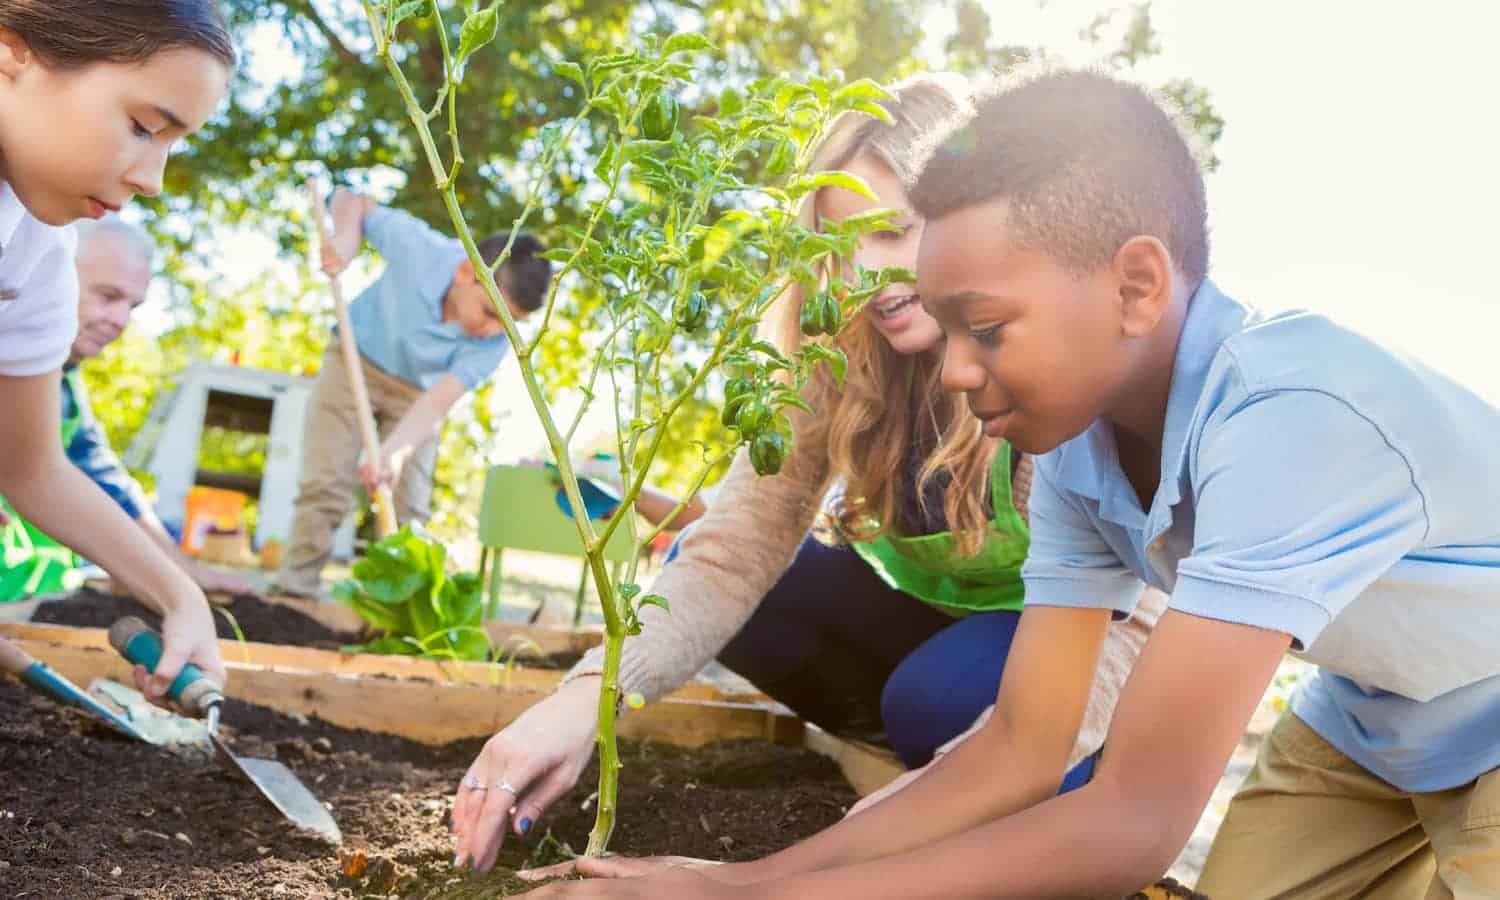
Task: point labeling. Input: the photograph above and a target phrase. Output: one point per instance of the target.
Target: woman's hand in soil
(617, 867)
(540, 756)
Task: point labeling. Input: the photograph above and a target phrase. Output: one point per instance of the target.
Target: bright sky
(1358, 167)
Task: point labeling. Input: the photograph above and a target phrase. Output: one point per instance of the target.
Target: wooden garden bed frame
(436, 703)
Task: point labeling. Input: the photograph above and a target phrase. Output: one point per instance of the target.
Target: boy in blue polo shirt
(1290, 484)
(427, 333)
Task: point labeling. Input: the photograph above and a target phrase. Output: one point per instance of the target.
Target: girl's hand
(187, 635)
(523, 770)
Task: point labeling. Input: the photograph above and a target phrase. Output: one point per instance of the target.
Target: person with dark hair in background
(427, 333)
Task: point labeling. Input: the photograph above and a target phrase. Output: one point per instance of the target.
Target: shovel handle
(136, 642)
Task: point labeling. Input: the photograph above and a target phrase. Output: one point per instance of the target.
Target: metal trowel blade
(286, 792)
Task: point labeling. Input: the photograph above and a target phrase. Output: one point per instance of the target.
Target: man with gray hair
(114, 271)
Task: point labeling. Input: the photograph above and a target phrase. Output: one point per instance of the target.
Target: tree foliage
(310, 99)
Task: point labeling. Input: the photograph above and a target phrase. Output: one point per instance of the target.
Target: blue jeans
(849, 653)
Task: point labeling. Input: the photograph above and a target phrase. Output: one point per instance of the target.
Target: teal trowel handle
(136, 642)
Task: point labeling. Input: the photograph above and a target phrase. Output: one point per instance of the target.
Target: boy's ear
(1143, 274)
(464, 273)
(15, 53)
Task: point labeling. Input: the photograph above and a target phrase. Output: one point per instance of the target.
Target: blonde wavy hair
(887, 397)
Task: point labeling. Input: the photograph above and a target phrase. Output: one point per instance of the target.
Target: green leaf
(405, 11)
(731, 226)
(848, 181)
(478, 30)
(838, 363)
(767, 348)
(686, 42)
(656, 600)
(790, 397)
(641, 146)
(558, 254)
(868, 221)
(604, 168)
(628, 591)
(874, 111)
(855, 91)
(571, 71)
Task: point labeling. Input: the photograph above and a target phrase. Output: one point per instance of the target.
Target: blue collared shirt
(1317, 484)
(398, 320)
(89, 449)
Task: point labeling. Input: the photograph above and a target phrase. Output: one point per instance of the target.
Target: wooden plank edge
(868, 768)
(434, 712)
(514, 674)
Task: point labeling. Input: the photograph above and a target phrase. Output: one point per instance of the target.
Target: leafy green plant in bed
(403, 590)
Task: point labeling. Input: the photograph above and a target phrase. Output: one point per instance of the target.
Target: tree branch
(335, 43)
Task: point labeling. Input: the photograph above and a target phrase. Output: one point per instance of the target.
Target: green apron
(31, 562)
(929, 568)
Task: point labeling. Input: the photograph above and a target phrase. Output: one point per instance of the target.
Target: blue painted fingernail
(524, 825)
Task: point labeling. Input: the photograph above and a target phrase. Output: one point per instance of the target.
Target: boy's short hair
(1085, 161)
(526, 275)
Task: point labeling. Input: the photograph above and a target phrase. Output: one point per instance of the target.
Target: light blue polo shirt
(1317, 484)
(398, 320)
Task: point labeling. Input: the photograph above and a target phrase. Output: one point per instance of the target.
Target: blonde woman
(899, 632)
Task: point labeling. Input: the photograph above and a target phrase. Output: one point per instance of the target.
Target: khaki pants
(1309, 823)
(331, 448)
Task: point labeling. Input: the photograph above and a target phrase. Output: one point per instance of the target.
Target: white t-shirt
(38, 291)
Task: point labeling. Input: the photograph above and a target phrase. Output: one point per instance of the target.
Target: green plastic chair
(519, 511)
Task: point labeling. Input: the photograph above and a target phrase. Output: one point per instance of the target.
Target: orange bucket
(210, 508)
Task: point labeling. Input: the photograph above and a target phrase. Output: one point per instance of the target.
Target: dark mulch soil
(84, 813)
(259, 620)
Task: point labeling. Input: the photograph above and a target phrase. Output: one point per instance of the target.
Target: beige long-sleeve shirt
(734, 555)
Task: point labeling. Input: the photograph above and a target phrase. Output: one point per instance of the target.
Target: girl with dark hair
(93, 96)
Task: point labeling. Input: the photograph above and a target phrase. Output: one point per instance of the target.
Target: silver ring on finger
(502, 785)
(474, 784)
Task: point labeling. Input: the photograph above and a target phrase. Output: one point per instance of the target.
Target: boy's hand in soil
(674, 884)
(540, 755)
(616, 867)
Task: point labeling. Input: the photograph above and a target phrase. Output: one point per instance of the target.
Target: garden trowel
(192, 689)
(36, 675)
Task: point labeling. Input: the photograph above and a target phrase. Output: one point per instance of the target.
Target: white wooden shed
(255, 401)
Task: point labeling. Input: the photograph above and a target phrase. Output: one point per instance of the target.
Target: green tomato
(811, 318)
(767, 453)
(753, 417)
(732, 405)
(659, 119)
(833, 315)
(691, 313)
